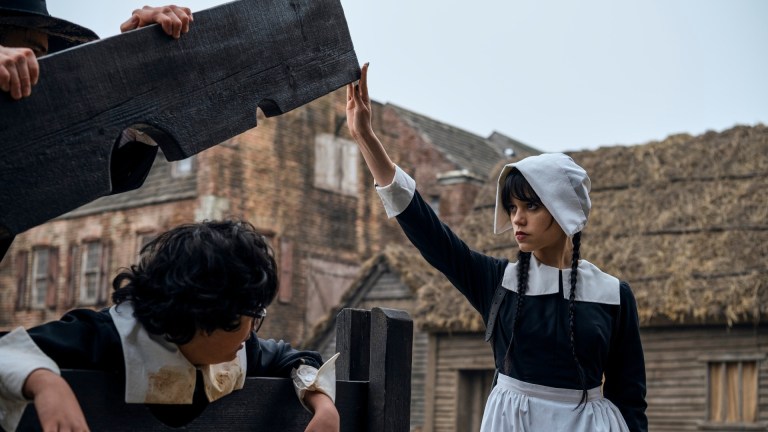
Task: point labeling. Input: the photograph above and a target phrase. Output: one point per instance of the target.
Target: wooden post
(353, 341)
(389, 398)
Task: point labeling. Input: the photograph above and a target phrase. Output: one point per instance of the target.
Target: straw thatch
(684, 221)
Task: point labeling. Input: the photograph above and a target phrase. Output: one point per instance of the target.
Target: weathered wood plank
(390, 380)
(263, 404)
(60, 145)
(353, 331)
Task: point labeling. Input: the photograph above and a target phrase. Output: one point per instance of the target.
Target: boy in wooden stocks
(556, 323)
(182, 331)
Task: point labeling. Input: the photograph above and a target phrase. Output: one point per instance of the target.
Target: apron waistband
(548, 393)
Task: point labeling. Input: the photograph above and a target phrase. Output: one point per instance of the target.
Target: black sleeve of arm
(475, 275)
(81, 339)
(271, 358)
(625, 373)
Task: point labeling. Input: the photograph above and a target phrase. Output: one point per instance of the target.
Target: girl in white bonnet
(558, 325)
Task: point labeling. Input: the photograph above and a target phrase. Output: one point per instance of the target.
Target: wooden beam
(60, 147)
(353, 340)
(389, 400)
(265, 404)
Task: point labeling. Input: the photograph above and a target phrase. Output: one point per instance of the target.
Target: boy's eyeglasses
(258, 319)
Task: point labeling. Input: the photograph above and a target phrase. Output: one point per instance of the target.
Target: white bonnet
(562, 185)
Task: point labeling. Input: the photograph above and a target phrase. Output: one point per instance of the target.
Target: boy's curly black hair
(201, 276)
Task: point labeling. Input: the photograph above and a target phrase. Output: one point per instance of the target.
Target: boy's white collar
(157, 372)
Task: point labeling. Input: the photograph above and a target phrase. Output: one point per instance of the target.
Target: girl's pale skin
(58, 409)
(535, 229)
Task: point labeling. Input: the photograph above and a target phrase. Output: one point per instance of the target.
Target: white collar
(592, 285)
(157, 372)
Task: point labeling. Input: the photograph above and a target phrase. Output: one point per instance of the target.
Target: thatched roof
(684, 221)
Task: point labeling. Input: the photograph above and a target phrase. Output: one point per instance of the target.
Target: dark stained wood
(390, 372)
(270, 404)
(60, 146)
(353, 330)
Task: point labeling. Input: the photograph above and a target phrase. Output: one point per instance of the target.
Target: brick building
(298, 178)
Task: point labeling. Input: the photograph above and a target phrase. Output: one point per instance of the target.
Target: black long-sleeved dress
(606, 321)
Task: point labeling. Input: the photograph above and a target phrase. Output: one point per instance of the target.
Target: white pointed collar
(592, 284)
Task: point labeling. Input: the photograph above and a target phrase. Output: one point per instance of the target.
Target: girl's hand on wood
(359, 106)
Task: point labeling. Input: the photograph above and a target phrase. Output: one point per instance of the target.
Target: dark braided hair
(517, 187)
(572, 316)
(523, 262)
(202, 276)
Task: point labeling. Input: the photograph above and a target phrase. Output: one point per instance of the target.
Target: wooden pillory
(61, 147)
(373, 389)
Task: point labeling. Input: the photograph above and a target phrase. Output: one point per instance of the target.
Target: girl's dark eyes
(531, 206)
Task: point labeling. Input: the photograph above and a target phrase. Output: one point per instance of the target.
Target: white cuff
(307, 378)
(19, 357)
(397, 195)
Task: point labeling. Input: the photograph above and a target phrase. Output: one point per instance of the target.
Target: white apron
(517, 406)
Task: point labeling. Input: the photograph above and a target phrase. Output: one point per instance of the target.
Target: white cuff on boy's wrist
(307, 378)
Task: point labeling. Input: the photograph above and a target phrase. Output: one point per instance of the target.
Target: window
(182, 168)
(39, 279)
(732, 391)
(90, 273)
(336, 164)
(474, 387)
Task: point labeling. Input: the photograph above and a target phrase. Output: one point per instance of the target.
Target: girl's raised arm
(359, 123)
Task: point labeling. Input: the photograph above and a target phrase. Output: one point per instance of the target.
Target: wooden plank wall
(453, 352)
(676, 368)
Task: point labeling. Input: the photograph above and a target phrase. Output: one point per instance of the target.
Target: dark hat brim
(62, 34)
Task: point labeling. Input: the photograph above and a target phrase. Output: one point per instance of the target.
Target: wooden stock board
(60, 147)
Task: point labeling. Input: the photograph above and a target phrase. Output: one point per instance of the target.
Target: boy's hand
(326, 418)
(56, 404)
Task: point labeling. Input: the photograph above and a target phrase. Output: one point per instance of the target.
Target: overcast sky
(556, 75)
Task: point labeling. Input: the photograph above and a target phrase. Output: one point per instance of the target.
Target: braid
(572, 313)
(523, 262)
